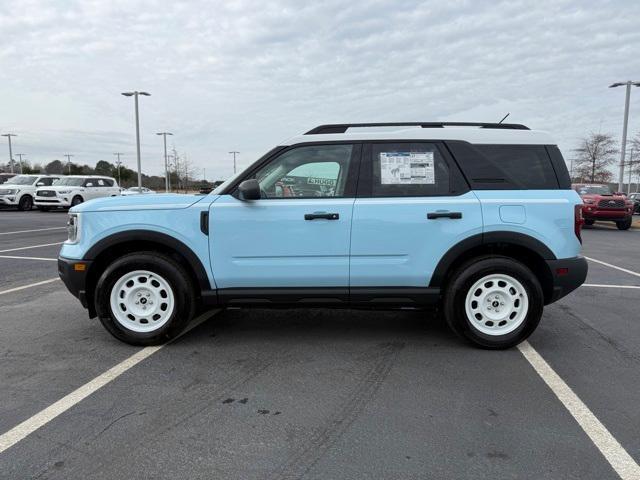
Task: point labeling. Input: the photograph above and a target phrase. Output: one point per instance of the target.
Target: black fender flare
(474, 241)
(155, 237)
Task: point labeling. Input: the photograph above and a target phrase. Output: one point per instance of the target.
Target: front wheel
(494, 302)
(145, 298)
(25, 203)
(77, 200)
(624, 224)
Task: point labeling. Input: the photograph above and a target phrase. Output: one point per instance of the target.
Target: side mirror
(40, 184)
(249, 190)
(88, 184)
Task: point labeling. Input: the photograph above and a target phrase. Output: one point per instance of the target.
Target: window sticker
(405, 168)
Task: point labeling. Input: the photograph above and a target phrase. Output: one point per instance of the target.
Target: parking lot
(274, 394)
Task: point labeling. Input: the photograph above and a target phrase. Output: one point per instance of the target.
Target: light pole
(135, 95)
(234, 160)
(118, 163)
(20, 155)
(624, 128)
(68, 155)
(166, 164)
(9, 135)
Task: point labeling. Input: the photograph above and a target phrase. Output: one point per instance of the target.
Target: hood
(165, 201)
(598, 196)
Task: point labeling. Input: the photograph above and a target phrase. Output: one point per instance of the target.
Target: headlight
(64, 192)
(72, 227)
(589, 201)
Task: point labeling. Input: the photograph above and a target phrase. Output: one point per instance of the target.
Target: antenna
(505, 117)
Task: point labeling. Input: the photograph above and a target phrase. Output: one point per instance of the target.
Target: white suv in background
(75, 189)
(19, 191)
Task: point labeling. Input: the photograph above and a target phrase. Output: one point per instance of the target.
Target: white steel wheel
(496, 304)
(142, 301)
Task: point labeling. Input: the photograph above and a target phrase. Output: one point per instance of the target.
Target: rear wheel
(145, 298)
(588, 221)
(624, 224)
(25, 203)
(494, 302)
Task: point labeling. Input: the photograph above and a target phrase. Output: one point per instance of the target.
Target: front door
(295, 239)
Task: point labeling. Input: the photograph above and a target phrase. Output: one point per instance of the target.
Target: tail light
(578, 221)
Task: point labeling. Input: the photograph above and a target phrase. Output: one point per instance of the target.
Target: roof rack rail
(342, 127)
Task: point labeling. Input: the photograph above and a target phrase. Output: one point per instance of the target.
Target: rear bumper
(568, 274)
(74, 280)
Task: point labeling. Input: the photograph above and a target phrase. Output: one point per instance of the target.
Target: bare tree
(594, 156)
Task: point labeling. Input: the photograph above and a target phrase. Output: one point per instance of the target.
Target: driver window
(312, 171)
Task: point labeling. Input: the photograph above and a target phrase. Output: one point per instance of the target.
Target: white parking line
(631, 272)
(624, 465)
(24, 287)
(603, 286)
(30, 258)
(31, 246)
(35, 230)
(17, 433)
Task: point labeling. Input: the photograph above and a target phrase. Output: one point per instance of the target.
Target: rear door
(412, 206)
(296, 236)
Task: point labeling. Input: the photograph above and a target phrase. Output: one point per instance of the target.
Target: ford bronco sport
(478, 219)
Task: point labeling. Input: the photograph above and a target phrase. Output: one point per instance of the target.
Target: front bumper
(51, 202)
(568, 274)
(593, 213)
(10, 200)
(75, 277)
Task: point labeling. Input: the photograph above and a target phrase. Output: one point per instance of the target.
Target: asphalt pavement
(312, 393)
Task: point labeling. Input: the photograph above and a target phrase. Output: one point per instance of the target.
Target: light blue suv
(476, 219)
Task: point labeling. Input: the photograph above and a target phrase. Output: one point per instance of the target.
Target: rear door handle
(435, 215)
(325, 216)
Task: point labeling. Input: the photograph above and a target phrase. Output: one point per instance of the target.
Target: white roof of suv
(487, 133)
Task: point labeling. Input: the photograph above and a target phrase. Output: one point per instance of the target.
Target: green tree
(54, 167)
(105, 168)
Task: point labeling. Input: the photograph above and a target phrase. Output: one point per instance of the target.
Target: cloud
(244, 75)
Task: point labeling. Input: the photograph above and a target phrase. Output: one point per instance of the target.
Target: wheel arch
(118, 244)
(524, 248)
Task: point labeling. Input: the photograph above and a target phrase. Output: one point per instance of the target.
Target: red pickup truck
(601, 204)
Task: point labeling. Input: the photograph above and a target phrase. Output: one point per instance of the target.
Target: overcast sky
(246, 75)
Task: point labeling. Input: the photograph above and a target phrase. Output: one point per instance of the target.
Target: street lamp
(135, 95)
(166, 164)
(20, 155)
(118, 163)
(234, 160)
(624, 128)
(68, 155)
(9, 135)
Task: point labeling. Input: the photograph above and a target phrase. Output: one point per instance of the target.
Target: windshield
(21, 180)
(593, 190)
(74, 182)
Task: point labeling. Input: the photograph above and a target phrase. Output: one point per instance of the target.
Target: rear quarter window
(506, 167)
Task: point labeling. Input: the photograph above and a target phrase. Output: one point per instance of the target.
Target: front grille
(46, 193)
(611, 203)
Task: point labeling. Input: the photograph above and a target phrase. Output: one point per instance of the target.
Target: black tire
(43, 209)
(588, 221)
(77, 200)
(625, 224)
(25, 203)
(463, 280)
(172, 272)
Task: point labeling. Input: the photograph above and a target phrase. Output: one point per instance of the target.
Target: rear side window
(408, 170)
(505, 167)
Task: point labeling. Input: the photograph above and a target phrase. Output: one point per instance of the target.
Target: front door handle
(325, 216)
(435, 215)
